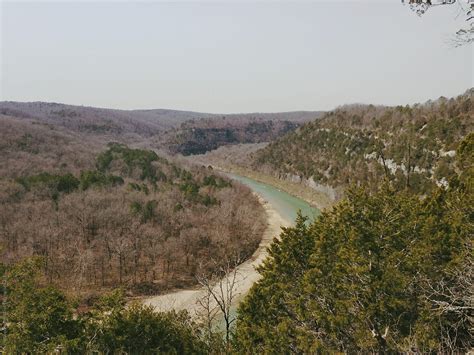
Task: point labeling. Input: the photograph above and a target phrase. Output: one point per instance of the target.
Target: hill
(103, 214)
(413, 146)
(200, 136)
(177, 131)
(93, 120)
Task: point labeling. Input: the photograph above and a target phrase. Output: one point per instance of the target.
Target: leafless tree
(207, 312)
(454, 297)
(464, 35)
(92, 239)
(221, 288)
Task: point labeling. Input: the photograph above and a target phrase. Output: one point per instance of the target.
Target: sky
(230, 56)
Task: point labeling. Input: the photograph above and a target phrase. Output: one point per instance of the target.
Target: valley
(236, 177)
(195, 216)
(109, 209)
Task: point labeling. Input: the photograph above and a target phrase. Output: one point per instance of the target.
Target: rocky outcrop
(193, 140)
(332, 193)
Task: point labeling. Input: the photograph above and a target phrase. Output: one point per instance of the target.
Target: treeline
(382, 272)
(98, 122)
(137, 220)
(413, 146)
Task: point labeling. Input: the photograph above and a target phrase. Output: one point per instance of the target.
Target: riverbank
(234, 159)
(246, 272)
(314, 198)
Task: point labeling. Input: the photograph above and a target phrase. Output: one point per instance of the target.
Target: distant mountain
(99, 120)
(183, 132)
(143, 123)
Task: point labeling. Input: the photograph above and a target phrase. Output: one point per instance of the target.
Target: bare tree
(92, 239)
(207, 312)
(221, 291)
(453, 297)
(464, 35)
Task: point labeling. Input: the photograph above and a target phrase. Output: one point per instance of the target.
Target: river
(285, 204)
(281, 209)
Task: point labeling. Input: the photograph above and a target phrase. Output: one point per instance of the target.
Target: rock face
(332, 193)
(198, 140)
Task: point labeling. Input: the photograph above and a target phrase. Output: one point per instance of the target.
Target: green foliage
(190, 189)
(111, 327)
(104, 160)
(208, 200)
(136, 207)
(138, 329)
(133, 159)
(145, 211)
(216, 181)
(191, 192)
(38, 319)
(360, 278)
(52, 184)
(97, 178)
(68, 183)
(148, 210)
(264, 324)
(185, 175)
(58, 183)
(139, 187)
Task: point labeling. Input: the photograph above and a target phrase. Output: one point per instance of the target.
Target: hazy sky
(230, 56)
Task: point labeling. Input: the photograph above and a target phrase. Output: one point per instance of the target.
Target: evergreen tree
(137, 329)
(381, 272)
(37, 319)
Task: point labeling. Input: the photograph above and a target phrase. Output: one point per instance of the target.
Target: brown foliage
(146, 239)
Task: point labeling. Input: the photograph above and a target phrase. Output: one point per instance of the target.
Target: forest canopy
(137, 221)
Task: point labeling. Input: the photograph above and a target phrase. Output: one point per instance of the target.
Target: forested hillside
(30, 146)
(382, 272)
(99, 121)
(413, 146)
(198, 137)
(108, 215)
(176, 131)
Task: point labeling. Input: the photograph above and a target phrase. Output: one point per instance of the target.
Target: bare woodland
(146, 236)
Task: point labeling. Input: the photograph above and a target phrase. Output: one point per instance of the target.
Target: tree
(367, 276)
(221, 288)
(464, 35)
(37, 319)
(41, 320)
(265, 317)
(138, 329)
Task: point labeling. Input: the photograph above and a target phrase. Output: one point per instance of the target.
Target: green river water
(285, 204)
